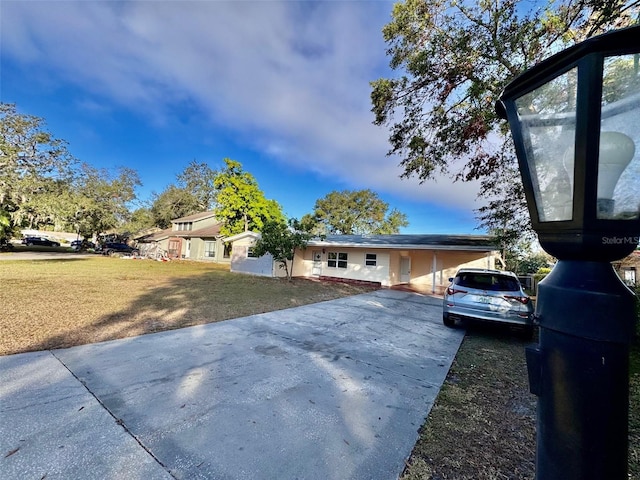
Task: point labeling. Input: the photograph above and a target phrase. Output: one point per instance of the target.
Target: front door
(187, 254)
(405, 269)
(317, 263)
(174, 247)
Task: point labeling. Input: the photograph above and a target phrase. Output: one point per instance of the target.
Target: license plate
(480, 299)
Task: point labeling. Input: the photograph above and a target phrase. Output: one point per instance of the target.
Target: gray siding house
(194, 237)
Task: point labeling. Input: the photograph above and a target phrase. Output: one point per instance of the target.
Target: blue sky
(282, 87)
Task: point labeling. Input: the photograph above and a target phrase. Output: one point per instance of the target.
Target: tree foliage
(140, 220)
(43, 185)
(455, 58)
(533, 262)
(353, 212)
(281, 241)
(100, 200)
(193, 192)
(241, 205)
(199, 180)
(35, 169)
(5, 226)
(174, 202)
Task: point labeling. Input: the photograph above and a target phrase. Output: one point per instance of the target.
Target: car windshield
(487, 281)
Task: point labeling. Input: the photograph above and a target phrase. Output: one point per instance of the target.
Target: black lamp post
(575, 121)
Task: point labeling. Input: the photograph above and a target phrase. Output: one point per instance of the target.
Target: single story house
(243, 260)
(424, 262)
(194, 237)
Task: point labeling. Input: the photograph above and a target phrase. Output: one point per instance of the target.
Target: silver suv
(487, 295)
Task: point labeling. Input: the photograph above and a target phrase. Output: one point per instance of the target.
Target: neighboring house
(424, 262)
(243, 259)
(194, 237)
(629, 269)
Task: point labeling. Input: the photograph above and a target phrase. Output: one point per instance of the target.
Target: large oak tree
(35, 170)
(453, 59)
(354, 212)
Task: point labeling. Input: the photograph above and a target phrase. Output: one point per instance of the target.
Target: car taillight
(522, 300)
(453, 291)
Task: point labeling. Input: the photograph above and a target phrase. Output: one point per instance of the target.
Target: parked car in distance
(77, 244)
(487, 296)
(116, 248)
(41, 241)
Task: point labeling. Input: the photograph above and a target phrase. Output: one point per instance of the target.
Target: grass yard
(49, 304)
(483, 423)
(482, 426)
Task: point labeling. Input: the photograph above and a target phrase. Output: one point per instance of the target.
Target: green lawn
(60, 303)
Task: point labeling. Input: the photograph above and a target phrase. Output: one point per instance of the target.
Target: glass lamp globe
(575, 121)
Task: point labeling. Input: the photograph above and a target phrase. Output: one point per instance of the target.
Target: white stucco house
(244, 261)
(422, 261)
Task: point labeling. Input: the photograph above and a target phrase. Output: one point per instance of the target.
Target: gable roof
(239, 236)
(194, 217)
(210, 231)
(483, 243)
(154, 237)
(206, 232)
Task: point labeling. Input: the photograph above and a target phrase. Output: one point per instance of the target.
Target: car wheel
(449, 322)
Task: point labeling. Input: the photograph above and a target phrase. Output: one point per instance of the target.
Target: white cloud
(289, 78)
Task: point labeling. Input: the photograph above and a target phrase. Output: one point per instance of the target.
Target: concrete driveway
(333, 390)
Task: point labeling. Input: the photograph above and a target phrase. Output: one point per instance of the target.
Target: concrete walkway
(333, 390)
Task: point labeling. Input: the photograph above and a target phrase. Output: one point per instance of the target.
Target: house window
(251, 253)
(337, 259)
(210, 249)
(629, 276)
(371, 259)
(227, 250)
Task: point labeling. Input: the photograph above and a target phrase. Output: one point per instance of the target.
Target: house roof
(204, 232)
(210, 231)
(155, 237)
(483, 243)
(194, 217)
(147, 233)
(241, 235)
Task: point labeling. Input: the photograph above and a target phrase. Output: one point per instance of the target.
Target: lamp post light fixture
(575, 122)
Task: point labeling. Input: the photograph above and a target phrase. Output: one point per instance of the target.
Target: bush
(540, 274)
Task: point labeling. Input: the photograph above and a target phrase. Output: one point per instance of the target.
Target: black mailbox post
(575, 122)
